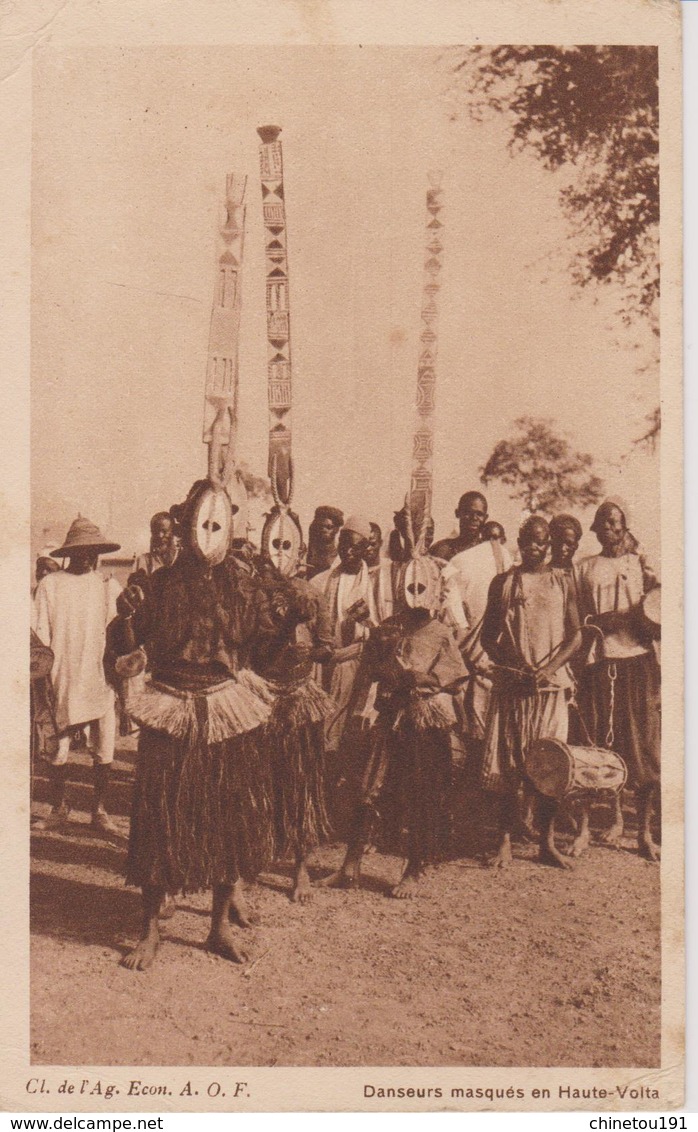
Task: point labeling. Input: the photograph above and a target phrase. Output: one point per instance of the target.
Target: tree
(650, 437)
(591, 112)
(257, 487)
(542, 469)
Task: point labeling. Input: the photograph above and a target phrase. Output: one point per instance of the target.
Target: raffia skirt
(295, 750)
(202, 811)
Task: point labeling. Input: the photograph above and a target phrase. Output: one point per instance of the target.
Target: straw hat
(84, 534)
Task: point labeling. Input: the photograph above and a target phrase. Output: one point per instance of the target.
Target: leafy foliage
(592, 111)
(257, 487)
(650, 437)
(542, 469)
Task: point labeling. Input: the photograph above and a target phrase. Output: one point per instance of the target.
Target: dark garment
(42, 709)
(407, 788)
(196, 622)
(294, 736)
(619, 701)
(202, 813)
(202, 810)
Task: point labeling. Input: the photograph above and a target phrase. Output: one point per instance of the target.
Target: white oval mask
(239, 506)
(282, 541)
(421, 583)
(212, 526)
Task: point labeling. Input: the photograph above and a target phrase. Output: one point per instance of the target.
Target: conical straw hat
(83, 533)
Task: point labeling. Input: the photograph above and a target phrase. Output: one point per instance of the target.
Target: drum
(558, 770)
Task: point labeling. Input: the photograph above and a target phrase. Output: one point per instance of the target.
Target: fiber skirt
(620, 702)
(295, 750)
(202, 812)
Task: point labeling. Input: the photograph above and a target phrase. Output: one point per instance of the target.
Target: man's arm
(492, 621)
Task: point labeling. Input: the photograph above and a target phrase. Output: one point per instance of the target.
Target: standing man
(380, 571)
(45, 564)
(322, 539)
(619, 689)
(471, 514)
(72, 610)
(163, 545)
(352, 611)
(467, 577)
(530, 632)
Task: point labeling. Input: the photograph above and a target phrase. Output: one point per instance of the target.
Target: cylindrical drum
(556, 769)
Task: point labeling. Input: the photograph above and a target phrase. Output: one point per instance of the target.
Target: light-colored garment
(467, 580)
(72, 612)
(101, 740)
(613, 585)
(382, 581)
(538, 614)
(338, 675)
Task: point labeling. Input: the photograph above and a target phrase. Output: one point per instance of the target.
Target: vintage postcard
(343, 519)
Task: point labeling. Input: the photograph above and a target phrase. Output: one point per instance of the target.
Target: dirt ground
(531, 966)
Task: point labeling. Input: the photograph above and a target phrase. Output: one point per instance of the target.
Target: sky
(131, 148)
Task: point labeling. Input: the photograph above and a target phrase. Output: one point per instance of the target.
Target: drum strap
(580, 717)
(612, 675)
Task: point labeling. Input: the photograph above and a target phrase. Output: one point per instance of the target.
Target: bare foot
(405, 889)
(346, 877)
(239, 912)
(580, 844)
(649, 849)
(504, 857)
(302, 892)
(551, 856)
(221, 941)
(143, 954)
(612, 836)
(167, 907)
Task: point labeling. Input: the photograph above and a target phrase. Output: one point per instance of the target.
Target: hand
(543, 677)
(368, 718)
(484, 668)
(129, 601)
(359, 611)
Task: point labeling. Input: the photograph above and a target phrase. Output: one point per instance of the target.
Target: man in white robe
(349, 591)
(72, 609)
(466, 580)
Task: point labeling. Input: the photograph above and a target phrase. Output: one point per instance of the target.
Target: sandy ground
(531, 966)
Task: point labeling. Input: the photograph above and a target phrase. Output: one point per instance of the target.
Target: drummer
(619, 690)
(530, 631)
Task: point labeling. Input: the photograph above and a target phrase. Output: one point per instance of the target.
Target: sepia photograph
(349, 536)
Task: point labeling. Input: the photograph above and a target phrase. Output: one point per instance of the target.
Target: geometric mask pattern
(278, 321)
(222, 362)
(421, 482)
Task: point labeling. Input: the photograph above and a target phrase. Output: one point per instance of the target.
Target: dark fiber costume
(294, 736)
(202, 809)
(407, 780)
